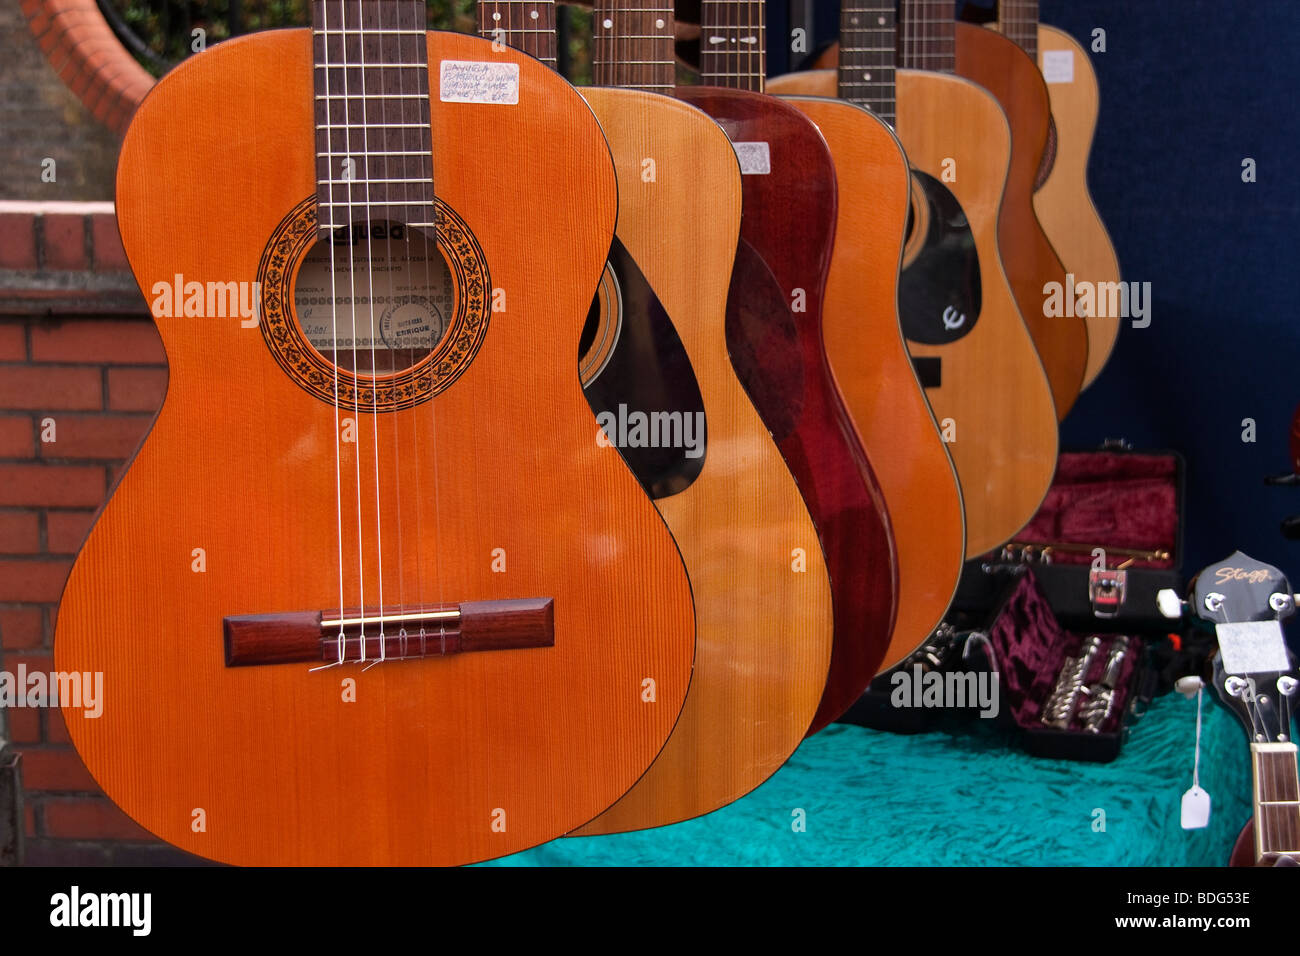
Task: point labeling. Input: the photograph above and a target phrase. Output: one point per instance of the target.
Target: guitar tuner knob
(1286, 686)
(1214, 602)
(1235, 686)
(1169, 603)
(1281, 602)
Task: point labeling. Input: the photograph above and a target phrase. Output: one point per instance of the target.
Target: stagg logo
(953, 689)
(103, 910)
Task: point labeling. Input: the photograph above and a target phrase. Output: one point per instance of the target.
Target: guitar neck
(526, 25)
(373, 144)
(634, 45)
(1019, 22)
(927, 35)
(868, 39)
(733, 44)
(1276, 799)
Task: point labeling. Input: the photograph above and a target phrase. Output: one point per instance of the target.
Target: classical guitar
(1254, 675)
(1031, 264)
(982, 374)
(372, 591)
(774, 333)
(870, 363)
(764, 631)
(1062, 200)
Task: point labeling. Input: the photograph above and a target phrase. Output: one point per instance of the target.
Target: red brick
(55, 769)
(90, 819)
(17, 240)
(66, 530)
(33, 8)
(56, 728)
(136, 389)
(44, 388)
(13, 340)
(20, 532)
(109, 253)
(112, 437)
(24, 724)
(89, 340)
(58, 486)
(21, 628)
(65, 241)
(29, 812)
(33, 581)
(16, 436)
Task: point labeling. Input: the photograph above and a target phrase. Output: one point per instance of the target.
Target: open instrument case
(1068, 606)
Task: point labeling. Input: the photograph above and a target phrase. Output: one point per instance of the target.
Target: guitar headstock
(1254, 674)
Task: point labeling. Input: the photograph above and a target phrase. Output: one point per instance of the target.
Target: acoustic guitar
(872, 369)
(1062, 200)
(774, 334)
(1031, 264)
(372, 591)
(763, 630)
(1255, 677)
(974, 354)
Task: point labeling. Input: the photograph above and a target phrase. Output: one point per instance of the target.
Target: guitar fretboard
(527, 25)
(634, 45)
(1019, 22)
(374, 155)
(1277, 800)
(868, 34)
(733, 44)
(928, 36)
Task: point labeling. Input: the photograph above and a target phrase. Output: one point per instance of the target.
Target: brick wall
(78, 351)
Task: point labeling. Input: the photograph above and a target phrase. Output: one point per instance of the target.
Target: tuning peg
(1170, 604)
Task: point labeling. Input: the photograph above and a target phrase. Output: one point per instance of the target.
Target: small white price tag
(474, 81)
(755, 158)
(1252, 647)
(1196, 809)
(1058, 66)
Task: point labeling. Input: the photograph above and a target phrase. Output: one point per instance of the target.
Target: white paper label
(755, 158)
(1196, 809)
(1058, 66)
(473, 81)
(1252, 647)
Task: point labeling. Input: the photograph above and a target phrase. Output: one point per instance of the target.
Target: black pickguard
(939, 294)
(648, 371)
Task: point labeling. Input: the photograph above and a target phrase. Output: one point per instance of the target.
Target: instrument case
(1027, 609)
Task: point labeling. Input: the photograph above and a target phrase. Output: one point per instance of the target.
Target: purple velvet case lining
(1031, 647)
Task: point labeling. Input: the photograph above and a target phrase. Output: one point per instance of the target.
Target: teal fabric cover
(964, 796)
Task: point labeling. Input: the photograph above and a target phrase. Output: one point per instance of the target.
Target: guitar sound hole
(384, 306)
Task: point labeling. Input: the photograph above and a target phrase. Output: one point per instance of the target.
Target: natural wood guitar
(878, 381)
(982, 374)
(372, 592)
(763, 630)
(774, 331)
(1062, 200)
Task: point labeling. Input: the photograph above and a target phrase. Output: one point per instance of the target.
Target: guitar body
(993, 395)
(763, 632)
(1006, 71)
(230, 506)
(874, 373)
(782, 264)
(1062, 202)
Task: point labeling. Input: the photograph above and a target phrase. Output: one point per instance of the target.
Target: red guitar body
(774, 334)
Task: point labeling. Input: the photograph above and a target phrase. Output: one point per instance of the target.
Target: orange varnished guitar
(875, 375)
(1062, 201)
(372, 591)
(982, 374)
(764, 630)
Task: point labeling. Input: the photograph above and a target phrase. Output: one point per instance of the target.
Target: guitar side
(764, 631)
(1063, 203)
(1006, 71)
(874, 373)
(230, 506)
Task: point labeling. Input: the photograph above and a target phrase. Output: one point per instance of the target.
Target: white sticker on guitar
(1252, 647)
(473, 81)
(755, 158)
(1058, 66)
